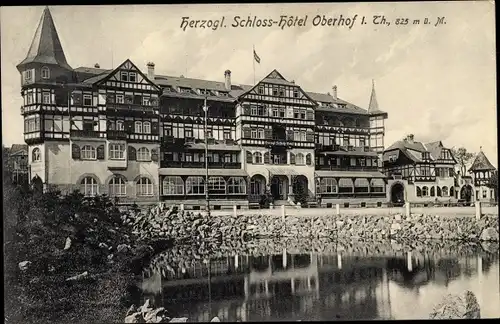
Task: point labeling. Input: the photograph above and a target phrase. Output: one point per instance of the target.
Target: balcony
(117, 164)
(201, 165)
(129, 107)
(116, 134)
(346, 168)
(85, 134)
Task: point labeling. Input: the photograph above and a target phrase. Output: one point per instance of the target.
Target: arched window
(346, 185)
(45, 73)
(88, 152)
(195, 186)
(433, 192)
(216, 185)
(452, 192)
(117, 186)
(36, 155)
(144, 187)
(377, 185)
(143, 154)
(173, 186)
(425, 191)
(138, 127)
(89, 186)
(257, 157)
(299, 159)
(328, 185)
(419, 192)
(236, 185)
(439, 193)
(445, 191)
(257, 185)
(146, 127)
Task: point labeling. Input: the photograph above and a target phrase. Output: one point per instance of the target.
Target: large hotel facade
(146, 137)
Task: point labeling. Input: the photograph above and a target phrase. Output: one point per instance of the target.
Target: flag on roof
(256, 57)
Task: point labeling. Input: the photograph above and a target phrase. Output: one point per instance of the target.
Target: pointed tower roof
(481, 163)
(46, 47)
(373, 106)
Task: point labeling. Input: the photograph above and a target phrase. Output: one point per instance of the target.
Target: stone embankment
(463, 306)
(188, 226)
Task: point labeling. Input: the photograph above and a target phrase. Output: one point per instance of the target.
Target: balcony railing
(129, 107)
(346, 168)
(201, 165)
(85, 133)
(116, 134)
(421, 178)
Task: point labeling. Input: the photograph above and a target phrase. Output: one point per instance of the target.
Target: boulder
(463, 306)
(122, 248)
(67, 245)
(23, 266)
(215, 319)
(489, 234)
(134, 318)
(179, 320)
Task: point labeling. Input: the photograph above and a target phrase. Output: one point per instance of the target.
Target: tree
(463, 158)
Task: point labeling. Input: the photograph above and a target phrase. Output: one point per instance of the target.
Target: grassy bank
(36, 229)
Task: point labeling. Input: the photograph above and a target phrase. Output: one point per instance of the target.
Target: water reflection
(314, 286)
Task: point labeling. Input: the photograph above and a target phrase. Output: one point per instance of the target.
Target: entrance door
(466, 194)
(300, 189)
(279, 188)
(398, 194)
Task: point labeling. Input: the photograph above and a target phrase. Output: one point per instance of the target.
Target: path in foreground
(441, 211)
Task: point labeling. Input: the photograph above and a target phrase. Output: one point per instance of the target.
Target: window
(144, 187)
(132, 77)
(143, 154)
(119, 125)
(261, 90)
(281, 93)
(260, 133)
(87, 100)
(253, 133)
(257, 157)
(35, 155)
(236, 185)
(46, 97)
(138, 127)
(188, 132)
(146, 101)
(227, 134)
(45, 73)
(328, 185)
(146, 128)
(27, 75)
(117, 187)
(120, 99)
(295, 93)
(275, 92)
(124, 76)
(444, 191)
(254, 110)
(216, 185)
(88, 152)
(116, 151)
(89, 186)
(173, 186)
(29, 98)
(299, 159)
(425, 191)
(419, 192)
(485, 193)
(195, 186)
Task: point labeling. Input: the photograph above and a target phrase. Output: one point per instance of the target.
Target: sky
(436, 82)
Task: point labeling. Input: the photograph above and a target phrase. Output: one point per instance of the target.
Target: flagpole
(253, 61)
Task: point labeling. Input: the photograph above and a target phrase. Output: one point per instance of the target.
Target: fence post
(337, 207)
(283, 212)
(408, 209)
(182, 207)
(235, 213)
(478, 210)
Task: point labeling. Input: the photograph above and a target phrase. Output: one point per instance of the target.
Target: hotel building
(145, 137)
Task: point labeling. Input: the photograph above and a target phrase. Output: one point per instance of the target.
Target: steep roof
(91, 75)
(373, 105)
(18, 148)
(46, 47)
(434, 148)
(481, 163)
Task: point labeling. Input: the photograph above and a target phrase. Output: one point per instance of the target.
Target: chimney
(409, 138)
(334, 92)
(97, 66)
(227, 80)
(151, 71)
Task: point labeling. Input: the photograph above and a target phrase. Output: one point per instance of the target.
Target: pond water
(322, 286)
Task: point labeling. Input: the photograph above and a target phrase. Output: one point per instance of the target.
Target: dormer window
(426, 156)
(45, 73)
(124, 76)
(132, 77)
(261, 90)
(27, 75)
(295, 93)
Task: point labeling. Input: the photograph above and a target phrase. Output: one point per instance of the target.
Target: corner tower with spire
(483, 172)
(377, 127)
